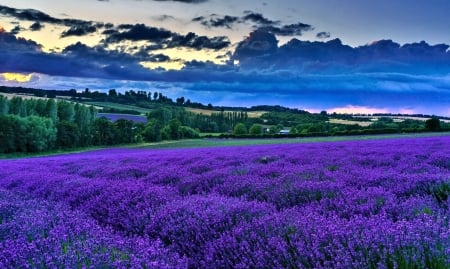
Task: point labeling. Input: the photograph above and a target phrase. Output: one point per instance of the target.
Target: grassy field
(218, 142)
(119, 106)
(251, 114)
(351, 122)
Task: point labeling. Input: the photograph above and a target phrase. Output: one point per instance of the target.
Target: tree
(112, 93)
(68, 134)
(125, 132)
(66, 111)
(433, 124)
(104, 131)
(255, 129)
(188, 132)
(293, 130)
(7, 133)
(240, 129)
(4, 105)
(40, 134)
(51, 110)
(180, 101)
(152, 131)
(16, 106)
(174, 129)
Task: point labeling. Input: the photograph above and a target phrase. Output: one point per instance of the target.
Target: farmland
(342, 204)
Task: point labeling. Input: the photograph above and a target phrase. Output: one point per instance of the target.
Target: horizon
(356, 56)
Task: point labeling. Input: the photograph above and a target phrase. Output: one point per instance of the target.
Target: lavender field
(352, 204)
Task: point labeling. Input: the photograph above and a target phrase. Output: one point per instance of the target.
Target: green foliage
(66, 111)
(68, 135)
(152, 131)
(174, 129)
(255, 129)
(275, 129)
(433, 124)
(4, 105)
(104, 131)
(40, 134)
(125, 131)
(8, 125)
(188, 132)
(240, 129)
(293, 130)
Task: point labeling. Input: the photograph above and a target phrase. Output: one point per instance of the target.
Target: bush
(240, 129)
(256, 129)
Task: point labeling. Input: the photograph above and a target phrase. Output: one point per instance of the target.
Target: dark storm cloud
(259, 50)
(258, 43)
(38, 16)
(139, 32)
(79, 30)
(288, 30)
(258, 18)
(323, 35)
(163, 38)
(194, 41)
(36, 26)
(258, 21)
(76, 27)
(226, 21)
(28, 14)
(17, 29)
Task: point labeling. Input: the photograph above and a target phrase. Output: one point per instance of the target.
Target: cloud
(334, 57)
(258, 43)
(79, 30)
(323, 35)
(76, 27)
(37, 26)
(225, 21)
(17, 29)
(296, 29)
(139, 32)
(163, 38)
(257, 20)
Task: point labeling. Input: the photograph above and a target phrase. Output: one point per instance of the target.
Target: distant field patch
(118, 106)
(116, 116)
(350, 122)
(251, 114)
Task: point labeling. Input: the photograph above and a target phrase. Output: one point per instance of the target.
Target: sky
(354, 56)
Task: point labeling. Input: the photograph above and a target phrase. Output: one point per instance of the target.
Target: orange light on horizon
(17, 77)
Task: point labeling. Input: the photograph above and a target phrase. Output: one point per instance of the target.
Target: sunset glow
(17, 77)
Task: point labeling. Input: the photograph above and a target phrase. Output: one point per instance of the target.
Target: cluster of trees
(36, 125)
(171, 122)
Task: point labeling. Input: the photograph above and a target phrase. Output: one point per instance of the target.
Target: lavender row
(40, 234)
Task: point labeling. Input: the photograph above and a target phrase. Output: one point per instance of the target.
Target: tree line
(36, 125)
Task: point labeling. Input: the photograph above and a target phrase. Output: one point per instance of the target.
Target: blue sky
(354, 55)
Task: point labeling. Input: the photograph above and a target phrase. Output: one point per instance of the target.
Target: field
(343, 204)
(118, 106)
(115, 116)
(251, 114)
